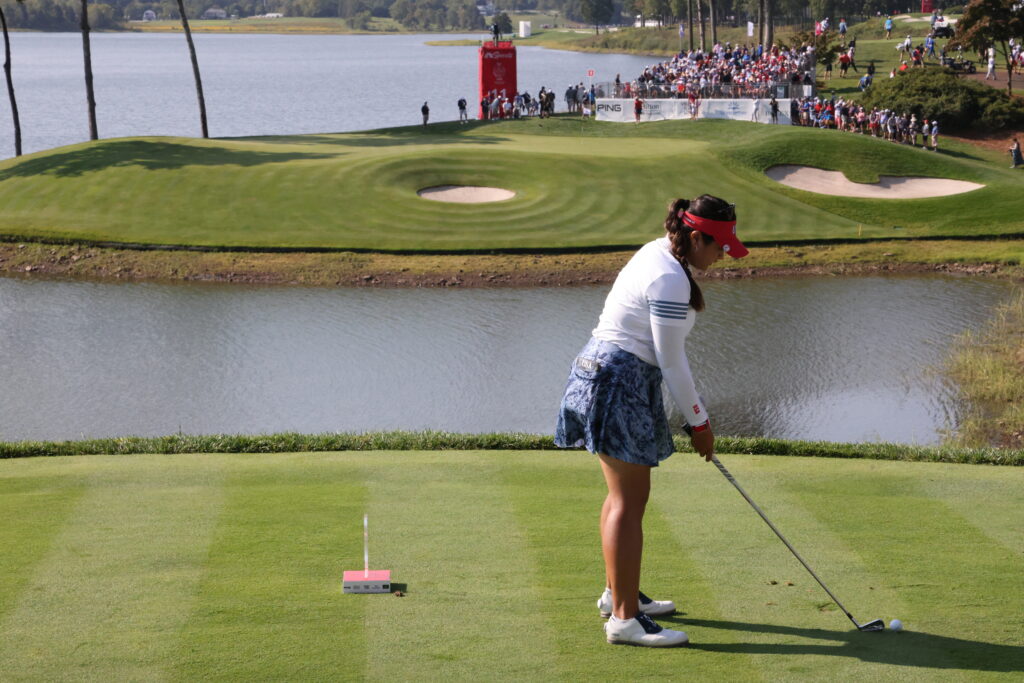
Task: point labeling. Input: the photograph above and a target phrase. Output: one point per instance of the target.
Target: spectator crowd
(842, 115)
(725, 71)
(500, 105)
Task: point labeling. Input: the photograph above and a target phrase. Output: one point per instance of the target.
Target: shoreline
(997, 258)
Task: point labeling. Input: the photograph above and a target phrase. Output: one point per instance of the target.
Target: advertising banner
(497, 70)
(758, 111)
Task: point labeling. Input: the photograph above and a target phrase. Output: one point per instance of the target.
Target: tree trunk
(89, 95)
(1009, 68)
(700, 20)
(10, 86)
(689, 19)
(714, 22)
(769, 23)
(760, 21)
(195, 68)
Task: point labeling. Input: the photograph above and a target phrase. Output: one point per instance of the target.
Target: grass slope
(228, 567)
(578, 184)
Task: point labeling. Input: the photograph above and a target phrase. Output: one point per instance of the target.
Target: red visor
(724, 232)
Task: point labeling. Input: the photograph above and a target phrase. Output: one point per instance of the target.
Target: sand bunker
(465, 194)
(887, 187)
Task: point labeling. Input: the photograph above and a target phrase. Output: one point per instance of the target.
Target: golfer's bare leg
(622, 536)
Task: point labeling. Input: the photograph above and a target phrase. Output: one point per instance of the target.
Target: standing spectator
(638, 108)
(844, 64)
(570, 99)
(794, 112)
(929, 46)
(1015, 157)
(425, 110)
(774, 105)
(842, 28)
(463, 116)
(991, 68)
(888, 27)
(935, 135)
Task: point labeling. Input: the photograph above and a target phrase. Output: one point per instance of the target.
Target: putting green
(577, 184)
(190, 567)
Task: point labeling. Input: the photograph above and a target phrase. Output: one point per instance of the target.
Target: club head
(876, 625)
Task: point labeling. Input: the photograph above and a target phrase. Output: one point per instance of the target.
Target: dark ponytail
(704, 206)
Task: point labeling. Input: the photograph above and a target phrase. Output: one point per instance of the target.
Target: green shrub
(956, 102)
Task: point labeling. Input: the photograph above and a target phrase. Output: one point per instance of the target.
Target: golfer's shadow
(908, 648)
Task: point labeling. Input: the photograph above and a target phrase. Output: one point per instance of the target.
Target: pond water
(845, 359)
(259, 84)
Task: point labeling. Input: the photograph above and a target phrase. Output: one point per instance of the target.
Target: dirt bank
(348, 269)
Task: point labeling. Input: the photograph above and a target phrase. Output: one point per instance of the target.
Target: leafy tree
(956, 102)
(657, 8)
(987, 23)
(10, 85)
(504, 22)
(597, 12)
(826, 44)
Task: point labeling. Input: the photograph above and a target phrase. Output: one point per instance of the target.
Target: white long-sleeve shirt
(648, 314)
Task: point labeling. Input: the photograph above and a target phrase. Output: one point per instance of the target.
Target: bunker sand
(888, 187)
(465, 194)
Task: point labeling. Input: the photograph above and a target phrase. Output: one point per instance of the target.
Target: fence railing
(777, 89)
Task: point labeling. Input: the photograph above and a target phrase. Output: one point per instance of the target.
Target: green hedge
(956, 102)
(430, 440)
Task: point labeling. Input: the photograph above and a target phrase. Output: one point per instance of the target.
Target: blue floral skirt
(613, 405)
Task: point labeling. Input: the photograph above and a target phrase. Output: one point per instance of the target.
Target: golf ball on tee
(895, 625)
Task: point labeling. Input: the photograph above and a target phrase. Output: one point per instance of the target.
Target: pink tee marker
(366, 581)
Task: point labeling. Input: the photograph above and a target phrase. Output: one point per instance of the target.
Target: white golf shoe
(641, 630)
(651, 608)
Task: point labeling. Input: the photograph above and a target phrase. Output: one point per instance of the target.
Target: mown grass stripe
(990, 499)
(269, 605)
(775, 614)
(559, 494)
(445, 527)
(948, 583)
(34, 508)
(120, 579)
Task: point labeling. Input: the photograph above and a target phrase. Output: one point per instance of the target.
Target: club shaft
(732, 480)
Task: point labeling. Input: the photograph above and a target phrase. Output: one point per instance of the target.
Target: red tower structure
(497, 70)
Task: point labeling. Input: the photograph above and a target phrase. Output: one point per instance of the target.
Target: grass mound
(229, 567)
(579, 184)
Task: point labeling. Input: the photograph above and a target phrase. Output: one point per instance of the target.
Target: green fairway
(578, 184)
(228, 567)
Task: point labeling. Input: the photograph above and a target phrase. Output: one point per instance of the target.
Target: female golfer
(613, 406)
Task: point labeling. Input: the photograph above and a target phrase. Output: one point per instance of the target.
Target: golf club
(875, 625)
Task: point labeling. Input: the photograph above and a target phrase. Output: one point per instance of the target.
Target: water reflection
(838, 358)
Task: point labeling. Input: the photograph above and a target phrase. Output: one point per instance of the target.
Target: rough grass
(578, 183)
(290, 442)
(228, 567)
(988, 365)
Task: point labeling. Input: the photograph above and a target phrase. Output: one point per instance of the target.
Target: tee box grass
(229, 567)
